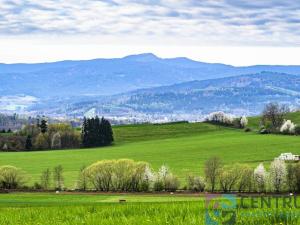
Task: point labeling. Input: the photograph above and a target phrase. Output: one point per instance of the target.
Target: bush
(247, 129)
(297, 130)
(11, 177)
(171, 183)
(263, 130)
(158, 185)
(120, 175)
(37, 186)
(195, 183)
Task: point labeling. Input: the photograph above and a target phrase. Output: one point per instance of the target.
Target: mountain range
(145, 84)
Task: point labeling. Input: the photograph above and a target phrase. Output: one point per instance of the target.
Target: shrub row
(126, 175)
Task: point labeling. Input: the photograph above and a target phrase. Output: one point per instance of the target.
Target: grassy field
(183, 147)
(138, 210)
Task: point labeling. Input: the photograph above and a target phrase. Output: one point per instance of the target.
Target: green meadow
(184, 147)
(67, 209)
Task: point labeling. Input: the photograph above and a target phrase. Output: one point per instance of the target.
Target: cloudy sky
(239, 32)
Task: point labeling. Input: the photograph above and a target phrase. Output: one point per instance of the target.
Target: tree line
(95, 132)
(126, 175)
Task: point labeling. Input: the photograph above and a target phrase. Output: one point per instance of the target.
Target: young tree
(228, 178)
(291, 177)
(260, 177)
(45, 179)
(273, 116)
(277, 175)
(245, 182)
(82, 182)
(28, 144)
(212, 171)
(58, 177)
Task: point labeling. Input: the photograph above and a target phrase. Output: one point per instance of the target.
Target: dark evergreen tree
(107, 132)
(3, 131)
(28, 145)
(9, 130)
(44, 126)
(96, 132)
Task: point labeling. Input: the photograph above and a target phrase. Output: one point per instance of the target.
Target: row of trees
(127, 175)
(39, 136)
(221, 118)
(242, 178)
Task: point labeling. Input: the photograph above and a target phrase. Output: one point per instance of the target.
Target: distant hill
(113, 76)
(245, 94)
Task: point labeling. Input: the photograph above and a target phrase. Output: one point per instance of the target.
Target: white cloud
(155, 23)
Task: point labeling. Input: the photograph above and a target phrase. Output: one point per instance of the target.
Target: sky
(237, 32)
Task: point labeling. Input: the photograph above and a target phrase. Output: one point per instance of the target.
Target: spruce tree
(106, 132)
(43, 126)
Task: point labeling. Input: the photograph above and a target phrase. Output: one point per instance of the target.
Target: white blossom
(163, 172)
(220, 117)
(260, 177)
(278, 174)
(288, 127)
(148, 174)
(244, 121)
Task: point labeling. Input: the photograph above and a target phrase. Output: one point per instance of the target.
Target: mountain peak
(145, 57)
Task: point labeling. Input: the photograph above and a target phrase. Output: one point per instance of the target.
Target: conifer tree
(44, 126)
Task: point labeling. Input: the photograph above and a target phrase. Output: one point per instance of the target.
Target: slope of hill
(245, 94)
(183, 147)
